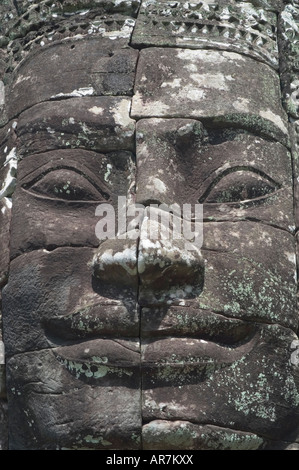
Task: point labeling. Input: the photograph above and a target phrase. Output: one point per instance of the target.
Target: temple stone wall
(160, 67)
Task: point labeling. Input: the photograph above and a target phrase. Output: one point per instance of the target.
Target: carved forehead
(209, 85)
(78, 68)
(200, 151)
(95, 123)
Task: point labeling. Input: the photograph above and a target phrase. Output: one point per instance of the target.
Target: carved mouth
(95, 343)
(116, 320)
(158, 360)
(188, 360)
(101, 359)
(93, 321)
(197, 436)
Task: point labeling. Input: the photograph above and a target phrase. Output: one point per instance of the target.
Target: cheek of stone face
(52, 409)
(251, 388)
(230, 363)
(67, 387)
(52, 297)
(243, 277)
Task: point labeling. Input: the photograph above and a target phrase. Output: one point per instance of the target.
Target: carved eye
(66, 184)
(239, 186)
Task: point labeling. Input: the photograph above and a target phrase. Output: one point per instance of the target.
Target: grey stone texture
(209, 85)
(145, 341)
(244, 28)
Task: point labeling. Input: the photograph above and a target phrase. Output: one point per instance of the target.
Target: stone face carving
(141, 341)
(244, 28)
(208, 84)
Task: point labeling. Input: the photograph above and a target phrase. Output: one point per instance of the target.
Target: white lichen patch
(127, 259)
(92, 370)
(241, 104)
(184, 130)
(2, 93)
(291, 257)
(108, 172)
(2, 353)
(9, 183)
(295, 353)
(98, 27)
(275, 118)
(121, 114)
(175, 83)
(217, 81)
(150, 108)
(97, 110)
(85, 91)
(157, 185)
(97, 440)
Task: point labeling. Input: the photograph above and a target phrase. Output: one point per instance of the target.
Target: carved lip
(95, 320)
(99, 358)
(115, 320)
(195, 322)
(94, 360)
(159, 360)
(206, 436)
(105, 340)
(182, 352)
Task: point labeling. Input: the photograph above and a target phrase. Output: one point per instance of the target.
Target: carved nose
(116, 262)
(159, 262)
(169, 266)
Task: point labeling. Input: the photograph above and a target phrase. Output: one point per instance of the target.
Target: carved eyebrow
(104, 192)
(234, 169)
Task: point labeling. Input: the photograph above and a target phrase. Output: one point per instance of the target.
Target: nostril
(170, 266)
(116, 263)
(147, 202)
(168, 272)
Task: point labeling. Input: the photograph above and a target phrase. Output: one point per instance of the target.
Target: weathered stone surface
(288, 44)
(289, 40)
(8, 168)
(116, 262)
(87, 67)
(83, 402)
(142, 341)
(67, 186)
(8, 12)
(3, 426)
(8, 142)
(228, 172)
(169, 265)
(175, 435)
(244, 28)
(76, 307)
(2, 363)
(246, 280)
(22, 18)
(241, 281)
(209, 85)
(30, 28)
(202, 389)
(101, 124)
(5, 216)
(73, 6)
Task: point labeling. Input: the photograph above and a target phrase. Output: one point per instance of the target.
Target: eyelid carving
(62, 188)
(257, 176)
